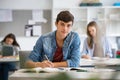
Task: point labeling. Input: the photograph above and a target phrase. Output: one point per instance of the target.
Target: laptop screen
(7, 51)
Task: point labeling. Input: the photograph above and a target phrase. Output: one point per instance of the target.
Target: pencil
(46, 57)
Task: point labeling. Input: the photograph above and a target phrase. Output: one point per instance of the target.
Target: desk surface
(93, 62)
(8, 60)
(103, 75)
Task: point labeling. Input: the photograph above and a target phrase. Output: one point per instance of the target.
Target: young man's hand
(44, 64)
(0, 56)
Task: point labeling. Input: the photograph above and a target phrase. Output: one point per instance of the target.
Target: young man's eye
(62, 24)
(69, 26)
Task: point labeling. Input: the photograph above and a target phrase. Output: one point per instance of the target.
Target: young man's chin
(65, 35)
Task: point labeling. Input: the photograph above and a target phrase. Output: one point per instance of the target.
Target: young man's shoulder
(48, 35)
(73, 36)
(72, 33)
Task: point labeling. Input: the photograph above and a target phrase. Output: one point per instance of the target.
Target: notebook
(7, 51)
(42, 70)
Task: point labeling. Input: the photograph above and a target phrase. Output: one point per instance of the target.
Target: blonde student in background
(60, 48)
(9, 40)
(89, 46)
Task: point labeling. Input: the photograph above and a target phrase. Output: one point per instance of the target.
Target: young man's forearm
(60, 64)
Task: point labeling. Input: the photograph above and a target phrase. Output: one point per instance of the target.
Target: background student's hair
(90, 38)
(12, 36)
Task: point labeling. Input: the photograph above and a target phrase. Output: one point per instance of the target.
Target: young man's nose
(65, 27)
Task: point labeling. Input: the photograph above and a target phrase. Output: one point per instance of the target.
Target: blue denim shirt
(46, 44)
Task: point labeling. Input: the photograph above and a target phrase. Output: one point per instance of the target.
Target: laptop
(7, 51)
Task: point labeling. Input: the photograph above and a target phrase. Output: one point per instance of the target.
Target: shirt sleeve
(85, 51)
(74, 60)
(35, 53)
(16, 50)
(0, 49)
(108, 50)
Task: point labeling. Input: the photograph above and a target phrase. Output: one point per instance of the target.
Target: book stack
(116, 4)
(90, 3)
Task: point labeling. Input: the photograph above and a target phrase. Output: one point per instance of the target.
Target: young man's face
(63, 28)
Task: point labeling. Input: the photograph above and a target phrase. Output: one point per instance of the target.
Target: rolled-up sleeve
(84, 50)
(35, 55)
(74, 61)
(108, 49)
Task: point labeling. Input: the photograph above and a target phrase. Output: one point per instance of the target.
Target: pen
(46, 57)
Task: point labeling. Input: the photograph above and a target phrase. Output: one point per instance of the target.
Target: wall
(25, 4)
(20, 19)
(26, 43)
(75, 3)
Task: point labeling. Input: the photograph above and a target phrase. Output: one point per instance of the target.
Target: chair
(23, 57)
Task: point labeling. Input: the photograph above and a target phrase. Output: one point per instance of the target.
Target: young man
(60, 48)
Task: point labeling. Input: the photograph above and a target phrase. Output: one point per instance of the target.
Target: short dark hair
(65, 16)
